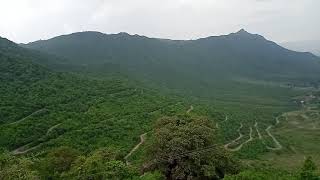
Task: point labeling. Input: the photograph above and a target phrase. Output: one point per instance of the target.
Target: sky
(24, 21)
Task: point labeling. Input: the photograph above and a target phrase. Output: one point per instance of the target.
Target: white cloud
(280, 20)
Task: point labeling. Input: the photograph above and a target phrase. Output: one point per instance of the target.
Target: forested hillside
(42, 109)
(235, 56)
(200, 118)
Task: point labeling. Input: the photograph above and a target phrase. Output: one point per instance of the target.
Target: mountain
(312, 46)
(163, 61)
(16, 64)
(41, 109)
(69, 125)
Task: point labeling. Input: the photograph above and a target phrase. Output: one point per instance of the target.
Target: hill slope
(230, 56)
(41, 108)
(304, 46)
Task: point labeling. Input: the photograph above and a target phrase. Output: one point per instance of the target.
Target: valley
(101, 101)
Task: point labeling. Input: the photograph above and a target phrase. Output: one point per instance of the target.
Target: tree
(185, 148)
(156, 175)
(101, 164)
(58, 161)
(308, 170)
(16, 168)
(261, 174)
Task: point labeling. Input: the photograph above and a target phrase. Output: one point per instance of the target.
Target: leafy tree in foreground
(101, 164)
(308, 170)
(16, 168)
(185, 148)
(58, 161)
(151, 176)
(261, 174)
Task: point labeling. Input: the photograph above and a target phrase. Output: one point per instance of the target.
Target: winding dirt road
(190, 109)
(52, 128)
(36, 112)
(241, 145)
(217, 125)
(142, 139)
(257, 129)
(277, 143)
(24, 149)
(277, 120)
(226, 119)
(226, 146)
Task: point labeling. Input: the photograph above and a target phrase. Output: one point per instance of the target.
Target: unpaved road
(277, 120)
(237, 139)
(36, 112)
(247, 141)
(277, 143)
(257, 129)
(142, 139)
(24, 149)
(190, 109)
(226, 119)
(52, 128)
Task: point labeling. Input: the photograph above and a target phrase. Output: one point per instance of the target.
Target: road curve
(142, 139)
(237, 139)
(241, 145)
(278, 146)
(190, 109)
(257, 129)
(36, 112)
(23, 150)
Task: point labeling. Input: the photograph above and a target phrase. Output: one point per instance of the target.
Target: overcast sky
(278, 20)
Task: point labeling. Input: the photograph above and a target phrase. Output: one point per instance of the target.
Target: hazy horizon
(280, 21)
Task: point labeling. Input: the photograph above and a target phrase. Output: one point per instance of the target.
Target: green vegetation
(308, 170)
(185, 148)
(149, 114)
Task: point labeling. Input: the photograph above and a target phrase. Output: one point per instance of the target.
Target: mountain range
(81, 96)
(231, 56)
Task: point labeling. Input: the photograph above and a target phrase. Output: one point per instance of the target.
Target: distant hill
(17, 65)
(243, 78)
(312, 46)
(41, 109)
(239, 54)
(212, 67)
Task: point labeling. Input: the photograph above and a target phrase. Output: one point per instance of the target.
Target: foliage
(100, 165)
(58, 161)
(59, 121)
(261, 175)
(308, 170)
(12, 168)
(239, 54)
(184, 148)
(156, 175)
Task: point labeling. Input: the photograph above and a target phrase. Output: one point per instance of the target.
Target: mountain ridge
(239, 54)
(242, 33)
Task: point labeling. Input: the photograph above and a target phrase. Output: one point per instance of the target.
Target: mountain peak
(6, 42)
(242, 31)
(245, 34)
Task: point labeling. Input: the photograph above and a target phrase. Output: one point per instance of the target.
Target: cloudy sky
(278, 20)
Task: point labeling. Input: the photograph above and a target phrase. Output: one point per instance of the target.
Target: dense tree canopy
(308, 170)
(187, 148)
(83, 123)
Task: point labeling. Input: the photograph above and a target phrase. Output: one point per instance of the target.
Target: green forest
(145, 116)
